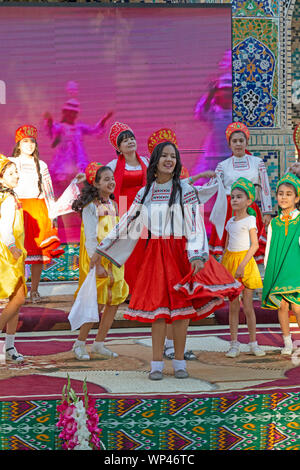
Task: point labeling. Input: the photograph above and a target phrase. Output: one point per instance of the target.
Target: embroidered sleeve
(121, 241)
(48, 192)
(197, 244)
(266, 199)
(220, 171)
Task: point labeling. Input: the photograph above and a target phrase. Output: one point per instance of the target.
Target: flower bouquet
(79, 420)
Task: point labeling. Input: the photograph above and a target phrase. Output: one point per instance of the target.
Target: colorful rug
(231, 421)
(49, 360)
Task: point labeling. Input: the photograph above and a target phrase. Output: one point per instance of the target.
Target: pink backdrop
(149, 64)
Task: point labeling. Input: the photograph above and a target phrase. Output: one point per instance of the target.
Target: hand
(197, 265)
(47, 116)
(266, 219)
(106, 117)
(16, 252)
(80, 177)
(95, 259)
(239, 274)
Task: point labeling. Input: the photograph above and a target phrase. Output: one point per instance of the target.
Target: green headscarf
(248, 187)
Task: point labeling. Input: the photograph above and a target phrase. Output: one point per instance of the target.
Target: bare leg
(234, 310)
(179, 328)
(36, 272)
(84, 331)
(158, 339)
(296, 310)
(11, 310)
(106, 321)
(249, 312)
(283, 317)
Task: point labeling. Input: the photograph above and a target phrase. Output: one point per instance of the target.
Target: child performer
(168, 288)
(99, 216)
(281, 289)
(241, 245)
(243, 164)
(35, 192)
(12, 255)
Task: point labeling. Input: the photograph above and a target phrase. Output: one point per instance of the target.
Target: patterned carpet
(247, 403)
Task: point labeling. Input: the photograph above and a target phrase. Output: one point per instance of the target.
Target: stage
(226, 404)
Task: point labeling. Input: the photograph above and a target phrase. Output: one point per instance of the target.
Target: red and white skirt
(41, 238)
(165, 287)
(217, 245)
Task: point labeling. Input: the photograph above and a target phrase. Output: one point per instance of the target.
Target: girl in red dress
(177, 280)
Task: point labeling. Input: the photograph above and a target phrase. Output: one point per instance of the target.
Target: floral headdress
(291, 179)
(162, 135)
(115, 131)
(249, 188)
(26, 131)
(236, 127)
(3, 161)
(91, 171)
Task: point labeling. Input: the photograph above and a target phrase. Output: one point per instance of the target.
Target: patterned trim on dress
(213, 288)
(165, 312)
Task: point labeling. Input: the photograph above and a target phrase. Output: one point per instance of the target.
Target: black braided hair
(4, 189)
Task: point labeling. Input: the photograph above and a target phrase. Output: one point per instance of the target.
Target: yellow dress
(113, 289)
(12, 270)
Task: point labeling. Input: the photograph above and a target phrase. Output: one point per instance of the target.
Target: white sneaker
(12, 354)
(81, 353)
(234, 350)
(257, 351)
(102, 351)
(287, 351)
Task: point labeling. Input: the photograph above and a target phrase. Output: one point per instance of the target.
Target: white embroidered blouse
(154, 215)
(250, 167)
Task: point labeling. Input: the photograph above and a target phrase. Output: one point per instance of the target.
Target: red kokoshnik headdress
(26, 131)
(237, 127)
(115, 131)
(91, 171)
(162, 135)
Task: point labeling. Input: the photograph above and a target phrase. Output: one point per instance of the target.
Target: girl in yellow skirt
(99, 215)
(12, 256)
(241, 245)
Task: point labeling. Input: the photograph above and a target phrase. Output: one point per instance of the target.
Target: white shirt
(155, 215)
(250, 167)
(238, 231)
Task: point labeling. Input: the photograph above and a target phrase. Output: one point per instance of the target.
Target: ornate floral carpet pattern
(234, 421)
(246, 403)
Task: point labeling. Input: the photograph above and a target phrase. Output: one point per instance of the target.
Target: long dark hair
(89, 193)
(151, 177)
(124, 135)
(36, 156)
(4, 189)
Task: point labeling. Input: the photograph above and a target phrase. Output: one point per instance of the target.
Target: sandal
(189, 356)
(169, 355)
(35, 297)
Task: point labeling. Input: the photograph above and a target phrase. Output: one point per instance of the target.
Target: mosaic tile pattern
(256, 8)
(295, 60)
(254, 68)
(272, 162)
